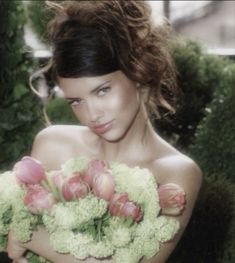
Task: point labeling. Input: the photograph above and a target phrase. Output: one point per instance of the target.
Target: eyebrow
(91, 92)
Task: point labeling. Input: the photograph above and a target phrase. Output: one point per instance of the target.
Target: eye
(103, 91)
(75, 102)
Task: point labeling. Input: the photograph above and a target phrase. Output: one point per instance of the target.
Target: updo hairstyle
(92, 38)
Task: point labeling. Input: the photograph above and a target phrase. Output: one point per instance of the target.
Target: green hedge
(199, 74)
(38, 16)
(60, 112)
(19, 108)
(214, 146)
(210, 234)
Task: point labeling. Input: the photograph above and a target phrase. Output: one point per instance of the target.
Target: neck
(137, 143)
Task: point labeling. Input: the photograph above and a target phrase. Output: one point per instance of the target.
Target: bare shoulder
(177, 167)
(182, 170)
(57, 143)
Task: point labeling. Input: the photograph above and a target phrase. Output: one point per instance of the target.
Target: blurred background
(203, 126)
(211, 23)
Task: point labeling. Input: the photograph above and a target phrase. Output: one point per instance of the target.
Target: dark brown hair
(91, 38)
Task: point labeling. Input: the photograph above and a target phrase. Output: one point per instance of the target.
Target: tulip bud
(116, 203)
(29, 171)
(58, 179)
(75, 188)
(171, 199)
(37, 199)
(121, 206)
(94, 167)
(103, 185)
(132, 210)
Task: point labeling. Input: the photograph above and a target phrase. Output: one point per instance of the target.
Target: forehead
(88, 82)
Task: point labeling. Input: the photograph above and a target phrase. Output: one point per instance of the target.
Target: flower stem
(45, 185)
(99, 225)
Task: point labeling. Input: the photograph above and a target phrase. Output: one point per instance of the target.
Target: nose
(95, 112)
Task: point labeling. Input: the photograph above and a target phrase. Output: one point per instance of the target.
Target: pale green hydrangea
(79, 246)
(145, 229)
(90, 207)
(60, 240)
(63, 216)
(5, 217)
(74, 165)
(71, 215)
(49, 222)
(83, 227)
(119, 237)
(119, 232)
(101, 249)
(151, 247)
(166, 228)
(140, 185)
(23, 223)
(127, 255)
(10, 190)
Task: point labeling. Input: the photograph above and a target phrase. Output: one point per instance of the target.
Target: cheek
(123, 101)
(116, 103)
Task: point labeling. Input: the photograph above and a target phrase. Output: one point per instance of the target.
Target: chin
(113, 136)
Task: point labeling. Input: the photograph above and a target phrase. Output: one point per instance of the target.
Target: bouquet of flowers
(90, 208)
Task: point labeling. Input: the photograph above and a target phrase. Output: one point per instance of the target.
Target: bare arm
(51, 154)
(40, 245)
(188, 175)
(182, 172)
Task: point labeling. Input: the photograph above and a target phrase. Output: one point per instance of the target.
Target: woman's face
(107, 104)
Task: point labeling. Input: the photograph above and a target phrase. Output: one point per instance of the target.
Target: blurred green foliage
(209, 236)
(214, 146)
(19, 108)
(199, 74)
(60, 112)
(39, 16)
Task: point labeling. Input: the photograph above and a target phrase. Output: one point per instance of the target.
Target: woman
(115, 71)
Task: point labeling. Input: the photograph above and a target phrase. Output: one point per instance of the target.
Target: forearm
(41, 246)
(162, 255)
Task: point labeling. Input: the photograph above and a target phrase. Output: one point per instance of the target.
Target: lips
(100, 129)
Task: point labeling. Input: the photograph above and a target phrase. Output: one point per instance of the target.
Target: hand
(15, 249)
(21, 260)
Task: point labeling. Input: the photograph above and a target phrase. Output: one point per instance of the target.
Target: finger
(20, 260)
(14, 248)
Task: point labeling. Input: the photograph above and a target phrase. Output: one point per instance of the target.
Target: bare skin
(129, 141)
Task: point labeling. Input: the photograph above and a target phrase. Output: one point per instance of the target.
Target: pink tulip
(121, 206)
(103, 185)
(29, 171)
(94, 167)
(75, 188)
(171, 198)
(132, 210)
(37, 199)
(58, 179)
(54, 184)
(117, 202)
